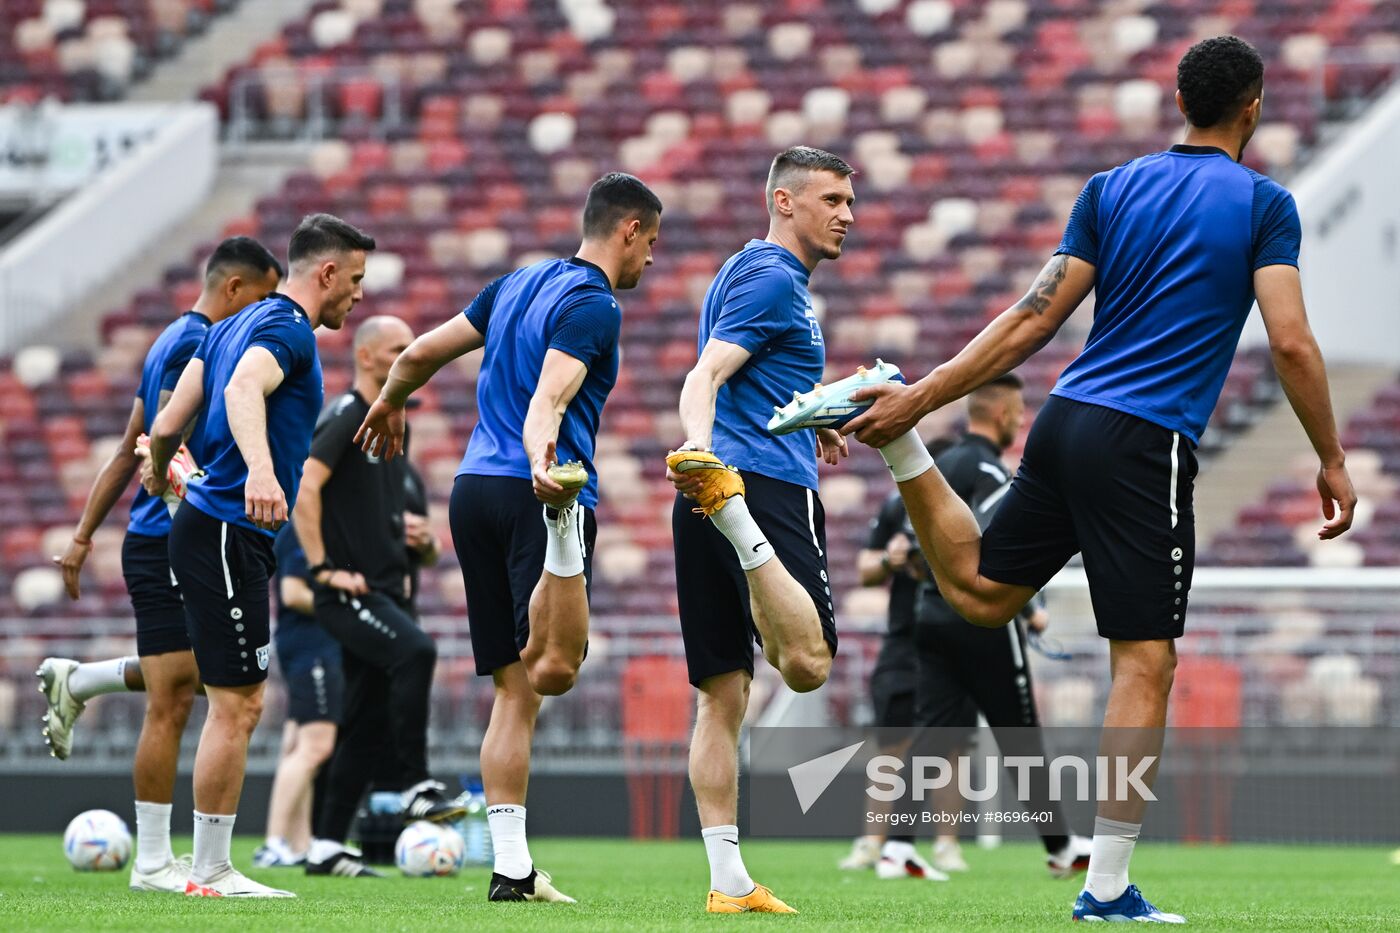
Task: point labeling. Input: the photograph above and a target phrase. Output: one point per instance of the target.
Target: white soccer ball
(97, 840)
(426, 850)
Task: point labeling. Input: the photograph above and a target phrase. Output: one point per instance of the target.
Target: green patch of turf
(662, 885)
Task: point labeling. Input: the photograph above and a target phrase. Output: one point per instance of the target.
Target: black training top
(893, 520)
(362, 503)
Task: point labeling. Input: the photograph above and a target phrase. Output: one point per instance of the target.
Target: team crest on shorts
(262, 658)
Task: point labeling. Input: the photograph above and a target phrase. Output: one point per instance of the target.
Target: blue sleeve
(756, 308)
(1081, 237)
(1277, 233)
(479, 311)
(588, 327)
(179, 357)
(289, 339)
(291, 559)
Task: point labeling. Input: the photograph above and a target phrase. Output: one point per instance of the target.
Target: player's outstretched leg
(559, 603)
(783, 610)
(505, 775)
(714, 776)
(67, 685)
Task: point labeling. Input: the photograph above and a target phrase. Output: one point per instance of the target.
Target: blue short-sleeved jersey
(558, 304)
(281, 327)
(759, 301)
(1175, 238)
(164, 363)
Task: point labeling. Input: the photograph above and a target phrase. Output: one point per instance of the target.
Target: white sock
(213, 836)
(727, 872)
(321, 849)
(563, 554)
(750, 543)
(898, 850)
(152, 836)
(99, 677)
(1108, 859)
(507, 822)
(907, 457)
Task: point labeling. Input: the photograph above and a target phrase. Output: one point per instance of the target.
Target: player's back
(161, 371)
(280, 326)
(523, 315)
(1175, 238)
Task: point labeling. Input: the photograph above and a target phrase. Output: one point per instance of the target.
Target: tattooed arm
(1003, 345)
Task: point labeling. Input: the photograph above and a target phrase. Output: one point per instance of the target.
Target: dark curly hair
(1217, 77)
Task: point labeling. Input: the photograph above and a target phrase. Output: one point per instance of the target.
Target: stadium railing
(1307, 647)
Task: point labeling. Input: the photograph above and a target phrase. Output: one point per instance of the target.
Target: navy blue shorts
(310, 662)
(498, 531)
(716, 620)
(155, 596)
(224, 571)
(1116, 488)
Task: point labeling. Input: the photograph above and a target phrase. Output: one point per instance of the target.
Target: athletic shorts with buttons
(155, 596)
(717, 624)
(309, 657)
(1116, 488)
(223, 571)
(498, 531)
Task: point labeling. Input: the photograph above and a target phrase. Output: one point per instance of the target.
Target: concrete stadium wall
(1349, 201)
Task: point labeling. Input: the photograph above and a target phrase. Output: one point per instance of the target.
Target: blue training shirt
(281, 327)
(164, 363)
(557, 304)
(759, 301)
(1175, 238)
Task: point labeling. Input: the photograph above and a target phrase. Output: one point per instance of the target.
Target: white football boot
(64, 708)
(171, 878)
(232, 883)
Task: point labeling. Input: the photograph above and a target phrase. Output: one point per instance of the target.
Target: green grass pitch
(637, 886)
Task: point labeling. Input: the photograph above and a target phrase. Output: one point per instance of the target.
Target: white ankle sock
(99, 677)
(152, 836)
(213, 836)
(507, 822)
(727, 872)
(1108, 859)
(563, 554)
(898, 850)
(750, 543)
(322, 849)
(907, 457)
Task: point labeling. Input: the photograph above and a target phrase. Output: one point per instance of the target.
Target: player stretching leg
(755, 567)
(239, 272)
(551, 336)
(255, 383)
(1176, 245)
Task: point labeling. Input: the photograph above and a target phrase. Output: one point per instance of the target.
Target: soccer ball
(425, 850)
(97, 840)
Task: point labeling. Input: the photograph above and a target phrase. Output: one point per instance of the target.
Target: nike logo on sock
(755, 550)
(733, 842)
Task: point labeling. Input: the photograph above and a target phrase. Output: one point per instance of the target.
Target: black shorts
(716, 621)
(223, 571)
(310, 661)
(498, 531)
(1116, 488)
(963, 670)
(155, 596)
